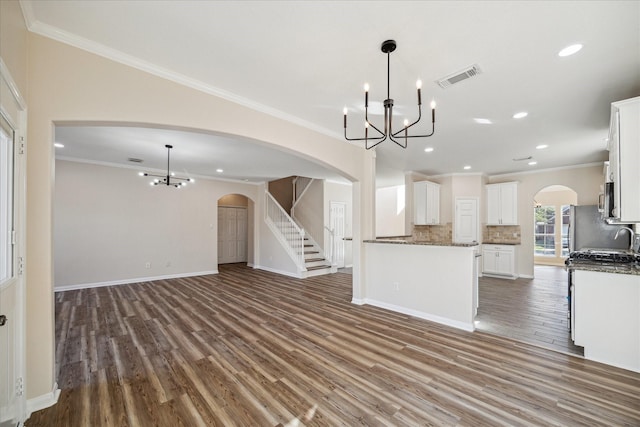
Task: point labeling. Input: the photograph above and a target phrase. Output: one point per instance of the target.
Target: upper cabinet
(502, 203)
(426, 203)
(624, 160)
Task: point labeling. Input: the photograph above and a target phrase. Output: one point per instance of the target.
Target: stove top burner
(602, 256)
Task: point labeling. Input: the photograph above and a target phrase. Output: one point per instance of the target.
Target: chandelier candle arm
(387, 47)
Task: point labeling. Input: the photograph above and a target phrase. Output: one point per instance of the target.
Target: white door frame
(13, 110)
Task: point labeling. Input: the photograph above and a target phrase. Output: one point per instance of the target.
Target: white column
(364, 223)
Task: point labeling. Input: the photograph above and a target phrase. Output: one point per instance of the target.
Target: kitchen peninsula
(432, 281)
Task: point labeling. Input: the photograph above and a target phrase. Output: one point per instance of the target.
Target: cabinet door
(419, 203)
(504, 262)
(433, 204)
(508, 204)
(493, 205)
(489, 261)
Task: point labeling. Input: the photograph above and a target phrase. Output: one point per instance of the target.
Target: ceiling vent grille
(134, 160)
(459, 76)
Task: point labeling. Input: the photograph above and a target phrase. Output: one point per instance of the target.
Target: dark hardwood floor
(529, 310)
(251, 348)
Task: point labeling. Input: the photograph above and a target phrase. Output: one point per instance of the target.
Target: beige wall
(585, 181)
(390, 220)
(67, 84)
(109, 223)
(13, 42)
(282, 191)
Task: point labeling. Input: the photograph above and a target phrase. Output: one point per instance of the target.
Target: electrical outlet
(147, 265)
(168, 263)
(396, 286)
(515, 234)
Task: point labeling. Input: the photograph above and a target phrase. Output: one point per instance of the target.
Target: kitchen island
(432, 281)
(606, 310)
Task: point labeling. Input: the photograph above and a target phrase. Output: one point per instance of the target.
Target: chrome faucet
(631, 232)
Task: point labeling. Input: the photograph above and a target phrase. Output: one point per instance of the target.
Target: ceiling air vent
(459, 76)
(134, 160)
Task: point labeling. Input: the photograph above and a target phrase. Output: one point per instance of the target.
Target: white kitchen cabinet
(606, 311)
(499, 260)
(426, 203)
(624, 158)
(502, 203)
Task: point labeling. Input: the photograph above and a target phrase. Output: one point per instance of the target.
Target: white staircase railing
(287, 231)
(329, 254)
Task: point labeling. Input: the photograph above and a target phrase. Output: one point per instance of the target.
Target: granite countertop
(499, 242)
(418, 242)
(606, 267)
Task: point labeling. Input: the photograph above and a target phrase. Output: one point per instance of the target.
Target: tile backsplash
(501, 234)
(441, 233)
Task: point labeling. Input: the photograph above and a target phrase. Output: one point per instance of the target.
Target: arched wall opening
(69, 84)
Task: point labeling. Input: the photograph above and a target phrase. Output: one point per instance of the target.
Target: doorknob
(3, 319)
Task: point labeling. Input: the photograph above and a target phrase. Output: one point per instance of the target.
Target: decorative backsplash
(509, 234)
(442, 233)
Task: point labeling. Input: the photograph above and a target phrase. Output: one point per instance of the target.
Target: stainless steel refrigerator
(587, 230)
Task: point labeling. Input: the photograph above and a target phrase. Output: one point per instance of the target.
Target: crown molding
(533, 172)
(87, 45)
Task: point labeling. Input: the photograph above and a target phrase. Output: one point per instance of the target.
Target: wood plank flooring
(251, 348)
(529, 310)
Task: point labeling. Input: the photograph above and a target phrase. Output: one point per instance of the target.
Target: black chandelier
(401, 136)
(169, 178)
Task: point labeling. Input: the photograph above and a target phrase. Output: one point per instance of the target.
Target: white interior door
(10, 413)
(337, 224)
(466, 223)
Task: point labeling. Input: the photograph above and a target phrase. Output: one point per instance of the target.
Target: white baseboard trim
(358, 301)
(43, 401)
(526, 276)
(129, 281)
(275, 270)
(469, 327)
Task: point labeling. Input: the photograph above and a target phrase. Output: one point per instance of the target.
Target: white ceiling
(306, 60)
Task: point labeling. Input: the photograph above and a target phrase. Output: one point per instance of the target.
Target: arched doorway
(551, 224)
(233, 229)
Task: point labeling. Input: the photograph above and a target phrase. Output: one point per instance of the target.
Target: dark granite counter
(606, 267)
(418, 242)
(498, 242)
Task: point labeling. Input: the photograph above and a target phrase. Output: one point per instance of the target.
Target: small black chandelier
(169, 178)
(401, 136)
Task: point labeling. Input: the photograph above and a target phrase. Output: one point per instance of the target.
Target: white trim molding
(469, 327)
(43, 401)
(130, 281)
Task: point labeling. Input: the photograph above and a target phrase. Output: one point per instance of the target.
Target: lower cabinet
(499, 260)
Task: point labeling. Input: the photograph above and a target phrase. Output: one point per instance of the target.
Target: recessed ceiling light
(58, 145)
(483, 121)
(467, 167)
(520, 115)
(541, 146)
(570, 50)
(532, 163)
(428, 149)
(219, 170)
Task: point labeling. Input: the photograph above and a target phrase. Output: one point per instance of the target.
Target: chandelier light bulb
(345, 111)
(419, 84)
(141, 173)
(433, 105)
(366, 87)
(406, 122)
